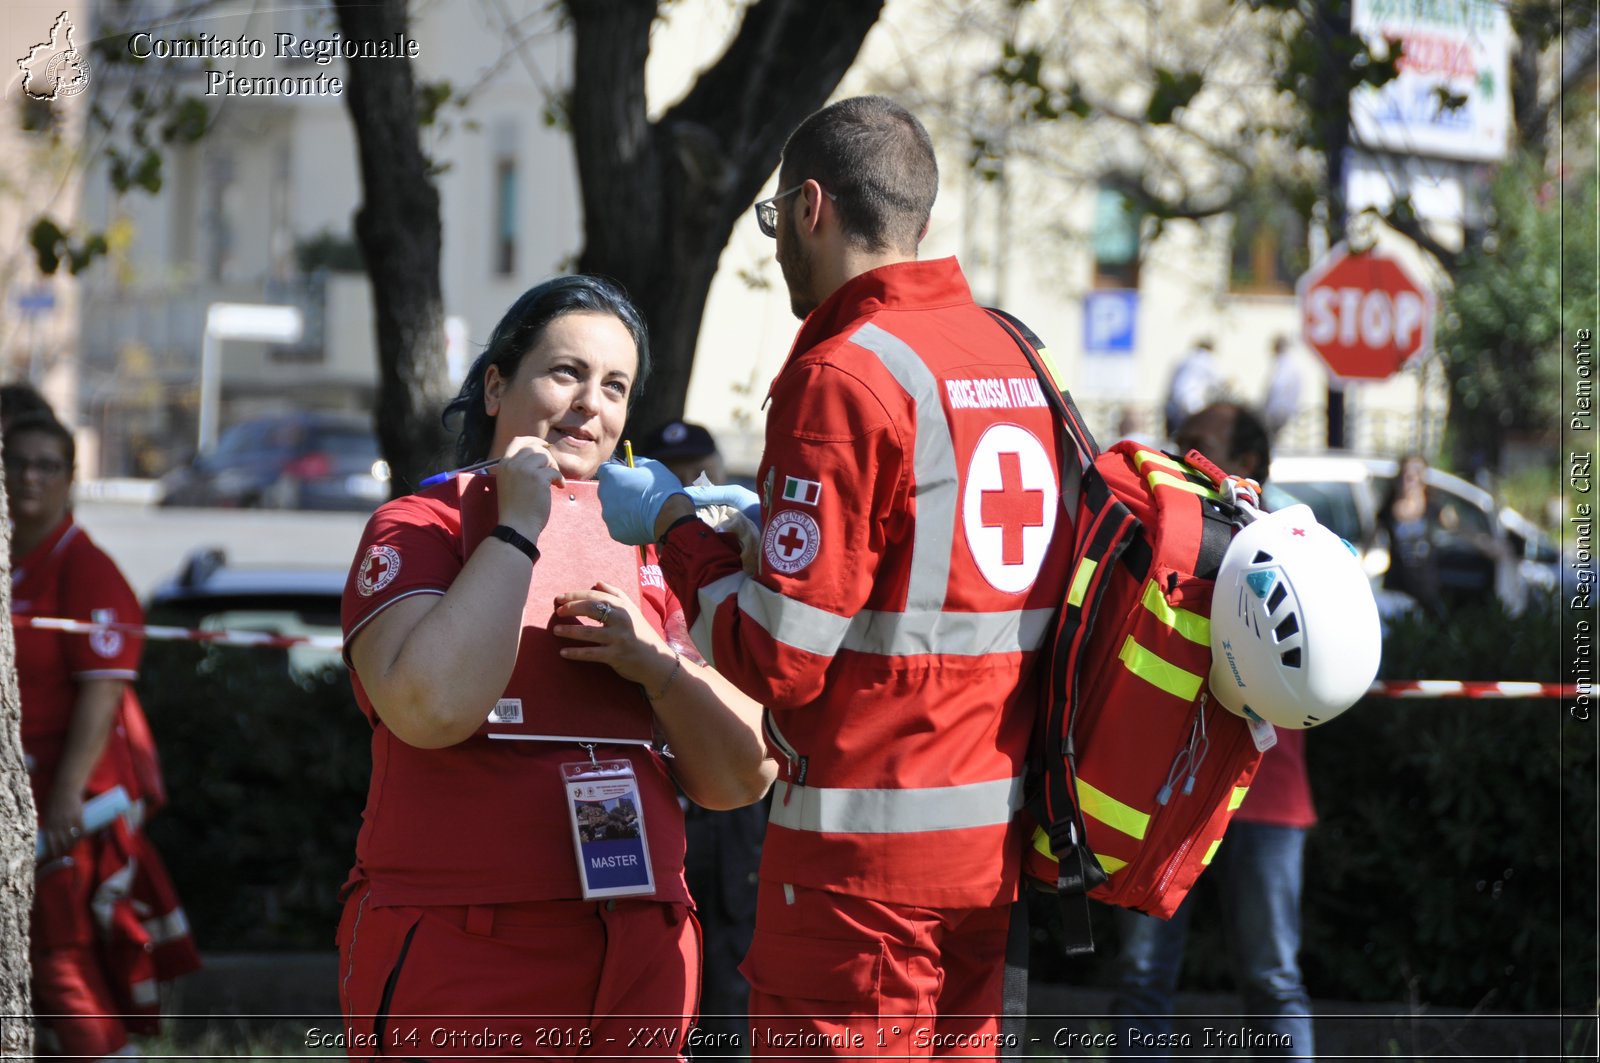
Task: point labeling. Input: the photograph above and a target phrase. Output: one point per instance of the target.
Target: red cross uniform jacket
(914, 547)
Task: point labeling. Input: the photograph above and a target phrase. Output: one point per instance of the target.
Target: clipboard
(549, 698)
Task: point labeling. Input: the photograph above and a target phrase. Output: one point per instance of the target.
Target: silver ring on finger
(604, 609)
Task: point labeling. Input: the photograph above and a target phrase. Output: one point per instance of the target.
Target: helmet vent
(1276, 598)
(1261, 555)
(1287, 627)
(1291, 658)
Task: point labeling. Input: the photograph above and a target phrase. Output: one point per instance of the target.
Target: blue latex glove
(743, 499)
(631, 499)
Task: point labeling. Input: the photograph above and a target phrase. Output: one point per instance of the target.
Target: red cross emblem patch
(791, 541)
(379, 567)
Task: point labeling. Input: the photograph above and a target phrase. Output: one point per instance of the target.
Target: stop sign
(1364, 314)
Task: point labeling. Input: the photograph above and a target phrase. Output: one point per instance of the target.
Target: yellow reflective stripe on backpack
(1192, 626)
(1041, 845)
(1158, 478)
(1205, 861)
(1111, 812)
(1158, 672)
(1142, 458)
(1237, 797)
(1080, 580)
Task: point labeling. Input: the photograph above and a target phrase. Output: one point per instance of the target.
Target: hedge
(267, 777)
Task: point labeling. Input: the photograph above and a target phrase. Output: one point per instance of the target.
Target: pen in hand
(450, 474)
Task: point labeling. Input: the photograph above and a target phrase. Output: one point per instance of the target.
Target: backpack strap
(1033, 349)
(1111, 528)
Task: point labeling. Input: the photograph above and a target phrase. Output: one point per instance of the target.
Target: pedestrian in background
(913, 545)
(1196, 380)
(689, 450)
(723, 852)
(1408, 518)
(1284, 382)
(106, 927)
(1258, 872)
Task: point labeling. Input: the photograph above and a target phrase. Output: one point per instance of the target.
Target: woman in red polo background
(106, 925)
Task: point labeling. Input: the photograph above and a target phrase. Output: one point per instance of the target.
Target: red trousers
(106, 930)
(835, 975)
(541, 980)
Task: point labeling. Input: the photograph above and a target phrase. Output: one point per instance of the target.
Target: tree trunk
(661, 199)
(17, 828)
(399, 229)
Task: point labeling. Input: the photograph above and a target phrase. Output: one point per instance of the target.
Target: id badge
(608, 832)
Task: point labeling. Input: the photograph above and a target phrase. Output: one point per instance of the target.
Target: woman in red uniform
(106, 925)
(465, 929)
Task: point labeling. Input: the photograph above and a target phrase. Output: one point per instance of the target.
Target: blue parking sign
(1108, 321)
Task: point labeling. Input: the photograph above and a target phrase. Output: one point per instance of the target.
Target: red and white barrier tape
(1383, 688)
(179, 634)
(1454, 688)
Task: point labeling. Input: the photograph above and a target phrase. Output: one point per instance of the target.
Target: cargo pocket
(807, 968)
(817, 985)
(877, 993)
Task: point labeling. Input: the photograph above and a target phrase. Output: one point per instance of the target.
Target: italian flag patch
(805, 492)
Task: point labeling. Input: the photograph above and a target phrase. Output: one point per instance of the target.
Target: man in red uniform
(913, 549)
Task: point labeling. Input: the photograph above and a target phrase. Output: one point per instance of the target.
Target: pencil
(627, 452)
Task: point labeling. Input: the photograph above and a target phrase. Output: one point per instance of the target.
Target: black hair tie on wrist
(507, 534)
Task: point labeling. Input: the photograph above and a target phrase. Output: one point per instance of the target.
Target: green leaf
(187, 123)
(1172, 92)
(47, 238)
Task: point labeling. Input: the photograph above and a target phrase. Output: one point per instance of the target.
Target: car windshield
(1334, 504)
(353, 443)
(252, 438)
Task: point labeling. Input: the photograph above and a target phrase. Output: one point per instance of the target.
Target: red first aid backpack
(1137, 770)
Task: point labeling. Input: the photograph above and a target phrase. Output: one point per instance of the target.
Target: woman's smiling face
(570, 389)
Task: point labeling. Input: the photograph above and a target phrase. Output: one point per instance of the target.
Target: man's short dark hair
(877, 160)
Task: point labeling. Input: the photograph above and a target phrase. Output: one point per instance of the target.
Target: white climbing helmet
(1295, 638)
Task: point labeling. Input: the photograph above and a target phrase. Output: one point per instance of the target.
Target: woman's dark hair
(1391, 493)
(18, 399)
(516, 334)
(44, 423)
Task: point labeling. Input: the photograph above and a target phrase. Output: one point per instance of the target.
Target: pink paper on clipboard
(550, 698)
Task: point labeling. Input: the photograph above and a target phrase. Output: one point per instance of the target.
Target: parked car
(1485, 551)
(209, 594)
(286, 461)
